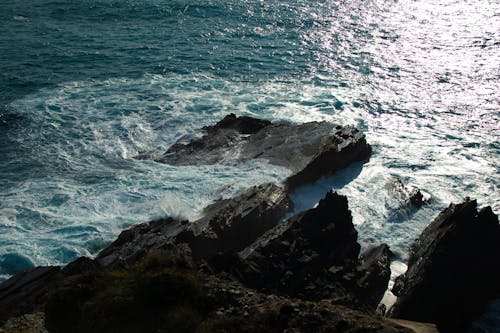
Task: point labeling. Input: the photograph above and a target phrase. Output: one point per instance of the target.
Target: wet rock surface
(227, 226)
(403, 200)
(309, 150)
(453, 269)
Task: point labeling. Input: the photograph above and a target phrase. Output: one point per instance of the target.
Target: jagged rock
(134, 243)
(453, 269)
(313, 255)
(374, 274)
(227, 226)
(404, 198)
(290, 257)
(26, 290)
(231, 225)
(309, 150)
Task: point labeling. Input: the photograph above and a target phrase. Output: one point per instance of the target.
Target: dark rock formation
(159, 294)
(231, 225)
(294, 252)
(453, 270)
(134, 243)
(26, 290)
(314, 255)
(374, 272)
(227, 226)
(309, 150)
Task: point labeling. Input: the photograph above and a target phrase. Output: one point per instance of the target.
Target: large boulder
(309, 150)
(453, 269)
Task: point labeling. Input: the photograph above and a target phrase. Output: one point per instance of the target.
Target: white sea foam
(96, 128)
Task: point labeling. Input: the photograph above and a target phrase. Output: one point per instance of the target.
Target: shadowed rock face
(309, 150)
(160, 293)
(314, 255)
(374, 272)
(453, 270)
(134, 243)
(227, 226)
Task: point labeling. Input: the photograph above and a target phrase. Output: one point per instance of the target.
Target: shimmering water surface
(86, 85)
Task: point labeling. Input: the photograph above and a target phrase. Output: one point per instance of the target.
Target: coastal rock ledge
(310, 150)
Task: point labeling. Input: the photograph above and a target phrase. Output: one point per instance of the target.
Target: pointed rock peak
(333, 199)
(488, 217)
(333, 208)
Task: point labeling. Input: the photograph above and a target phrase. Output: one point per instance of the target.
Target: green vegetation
(159, 294)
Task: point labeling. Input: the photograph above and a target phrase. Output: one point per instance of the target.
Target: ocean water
(86, 85)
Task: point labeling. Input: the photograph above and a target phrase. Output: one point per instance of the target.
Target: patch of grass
(159, 294)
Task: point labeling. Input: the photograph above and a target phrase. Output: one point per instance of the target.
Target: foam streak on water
(82, 94)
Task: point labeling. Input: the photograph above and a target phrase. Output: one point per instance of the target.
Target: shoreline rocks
(453, 269)
(25, 291)
(232, 224)
(313, 255)
(227, 226)
(310, 150)
(240, 269)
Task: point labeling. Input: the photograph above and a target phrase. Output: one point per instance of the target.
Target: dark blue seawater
(86, 85)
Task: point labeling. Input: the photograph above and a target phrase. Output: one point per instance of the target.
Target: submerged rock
(309, 150)
(453, 269)
(406, 194)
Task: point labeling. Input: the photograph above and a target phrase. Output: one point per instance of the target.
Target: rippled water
(86, 85)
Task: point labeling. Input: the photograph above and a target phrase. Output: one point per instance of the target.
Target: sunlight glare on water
(81, 95)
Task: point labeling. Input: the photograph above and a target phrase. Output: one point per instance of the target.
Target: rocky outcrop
(406, 194)
(453, 269)
(227, 226)
(134, 243)
(24, 291)
(309, 150)
(312, 256)
(374, 272)
(233, 224)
